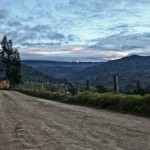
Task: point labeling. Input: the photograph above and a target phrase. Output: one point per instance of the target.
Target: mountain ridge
(129, 69)
(58, 69)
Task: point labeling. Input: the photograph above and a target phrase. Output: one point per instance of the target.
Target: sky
(76, 30)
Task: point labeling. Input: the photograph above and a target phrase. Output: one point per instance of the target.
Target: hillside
(129, 69)
(58, 69)
(30, 74)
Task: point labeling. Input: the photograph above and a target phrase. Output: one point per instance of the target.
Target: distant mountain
(58, 69)
(129, 69)
(30, 74)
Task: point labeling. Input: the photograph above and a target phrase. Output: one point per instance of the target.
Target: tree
(139, 89)
(16, 68)
(11, 61)
(101, 89)
(87, 85)
(1, 66)
(147, 89)
(71, 88)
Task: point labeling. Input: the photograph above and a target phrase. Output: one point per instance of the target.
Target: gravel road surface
(28, 123)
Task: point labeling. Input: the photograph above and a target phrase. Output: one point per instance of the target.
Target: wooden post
(27, 85)
(42, 87)
(66, 90)
(46, 86)
(81, 88)
(116, 87)
(39, 86)
(78, 90)
(32, 85)
(87, 85)
(59, 87)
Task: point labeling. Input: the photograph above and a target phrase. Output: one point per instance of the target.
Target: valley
(129, 70)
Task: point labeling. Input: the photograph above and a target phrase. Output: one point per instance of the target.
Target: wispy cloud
(120, 27)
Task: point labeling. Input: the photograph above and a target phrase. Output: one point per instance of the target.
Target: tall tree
(139, 89)
(16, 68)
(11, 61)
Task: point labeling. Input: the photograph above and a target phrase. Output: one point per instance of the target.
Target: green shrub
(118, 102)
(42, 94)
(113, 101)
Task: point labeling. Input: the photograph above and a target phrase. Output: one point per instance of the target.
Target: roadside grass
(134, 104)
(42, 94)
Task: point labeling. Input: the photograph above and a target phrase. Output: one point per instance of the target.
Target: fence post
(66, 90)
(78, 90)
(42, 87)
(87, 85)
(116, 87)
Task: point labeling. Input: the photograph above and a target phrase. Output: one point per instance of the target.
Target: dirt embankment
(28, 123)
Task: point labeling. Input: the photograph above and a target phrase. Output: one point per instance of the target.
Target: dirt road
(28, 123)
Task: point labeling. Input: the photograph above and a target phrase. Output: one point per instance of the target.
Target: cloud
(56, 36)
(14, 23)
(69, 53)
(114, 26)
(38, 28)
(3, 14)
(27, 44)
(132, 44)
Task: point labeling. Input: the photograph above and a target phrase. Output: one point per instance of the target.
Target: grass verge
(134, 104)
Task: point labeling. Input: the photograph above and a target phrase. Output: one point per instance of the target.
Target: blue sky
(77, 30)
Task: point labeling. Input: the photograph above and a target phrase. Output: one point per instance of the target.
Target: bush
(118, 102)
(113, 101)
(42, 94)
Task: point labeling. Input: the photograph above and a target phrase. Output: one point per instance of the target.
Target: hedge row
(118, 102)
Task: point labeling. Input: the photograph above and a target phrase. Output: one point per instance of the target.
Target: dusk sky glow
(77, 30)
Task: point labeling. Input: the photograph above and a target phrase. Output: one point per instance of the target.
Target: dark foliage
(101, 89)
(10, 58)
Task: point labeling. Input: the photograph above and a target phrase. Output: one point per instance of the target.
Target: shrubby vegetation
(42, 94)
(113, 101)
